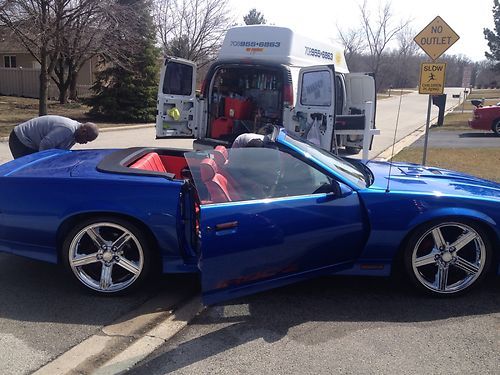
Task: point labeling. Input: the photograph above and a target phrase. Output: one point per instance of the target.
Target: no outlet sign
(436, 38)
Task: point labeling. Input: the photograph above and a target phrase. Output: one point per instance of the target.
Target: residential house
(20, 71)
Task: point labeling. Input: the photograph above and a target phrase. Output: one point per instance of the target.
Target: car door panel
(274, 238)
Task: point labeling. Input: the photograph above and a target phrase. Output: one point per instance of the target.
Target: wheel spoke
(463, 240)
(425, 260)
(106, 279)
(128, 265)
(466, 266)
(442, 278)
(438, 238)
(118, 244)
(84, 259)
(96, 237)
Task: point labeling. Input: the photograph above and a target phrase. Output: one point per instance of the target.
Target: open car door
(267, 219)
(315, 108)
(177, 102)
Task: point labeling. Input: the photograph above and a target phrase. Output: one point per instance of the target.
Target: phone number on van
(254, 44)
(318, 53)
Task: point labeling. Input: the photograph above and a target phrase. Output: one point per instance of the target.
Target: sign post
(434, 39)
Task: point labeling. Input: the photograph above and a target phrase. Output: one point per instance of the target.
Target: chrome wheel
(449, 257)
(106, 257)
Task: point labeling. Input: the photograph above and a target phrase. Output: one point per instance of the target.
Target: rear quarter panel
(33, 209)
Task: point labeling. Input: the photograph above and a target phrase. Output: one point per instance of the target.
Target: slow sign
(432, 77)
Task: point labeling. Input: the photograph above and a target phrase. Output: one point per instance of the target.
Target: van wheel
(106, 255)
(496, 128)
(352, 150)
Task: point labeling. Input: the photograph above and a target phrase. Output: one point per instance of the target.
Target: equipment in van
(269, 75)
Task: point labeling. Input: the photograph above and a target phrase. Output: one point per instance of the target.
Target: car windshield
(342, 167)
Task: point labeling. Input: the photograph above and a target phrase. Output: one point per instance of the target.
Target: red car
(486, 118)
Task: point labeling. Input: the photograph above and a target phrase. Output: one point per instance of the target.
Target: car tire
(447, 257)
(107, 255)
(496, 128)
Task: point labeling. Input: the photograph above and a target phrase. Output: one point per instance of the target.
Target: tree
(37, 24)
(354, 44)
(63, 34)
(493, 37)
(406, 59)
(95, 30)
(379, 31)
(128, 93)
(254, 18)
(193, 29)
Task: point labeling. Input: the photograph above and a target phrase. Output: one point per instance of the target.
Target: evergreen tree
(493, 37)
(127, 92)
(254, 18)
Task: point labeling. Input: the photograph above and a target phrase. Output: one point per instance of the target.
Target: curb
(121, 345)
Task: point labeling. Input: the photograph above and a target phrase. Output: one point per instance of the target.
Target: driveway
(339, 325)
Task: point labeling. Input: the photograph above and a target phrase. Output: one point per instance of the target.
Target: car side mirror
(332, 189)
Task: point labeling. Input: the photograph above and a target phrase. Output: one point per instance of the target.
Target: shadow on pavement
(478, 135)
(350, 304)
(40, 300)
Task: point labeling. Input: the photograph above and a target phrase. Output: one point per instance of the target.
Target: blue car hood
(416, 178)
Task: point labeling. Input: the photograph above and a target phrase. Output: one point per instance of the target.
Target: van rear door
(315, 108)
(177, 103)
(360, 88)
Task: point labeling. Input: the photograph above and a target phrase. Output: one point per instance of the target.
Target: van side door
(177, 102)
(315, 106)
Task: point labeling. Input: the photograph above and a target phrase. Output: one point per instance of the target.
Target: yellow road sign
(432, 76)
(436, 38)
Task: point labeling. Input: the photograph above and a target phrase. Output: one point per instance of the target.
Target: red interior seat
(215, 182)
(222, 151)
(149, 162)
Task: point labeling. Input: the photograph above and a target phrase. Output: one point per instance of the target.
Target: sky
(321, 17)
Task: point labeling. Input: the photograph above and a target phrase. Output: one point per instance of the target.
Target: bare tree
(63, 34)
(407, 65)
(354, 43)
(192, 29)
(37, 25)
(379, 30)
(104, 29)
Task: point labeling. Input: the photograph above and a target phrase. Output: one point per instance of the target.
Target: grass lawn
(14, 110)
(482, 162)
(485, 93)
(456, 121)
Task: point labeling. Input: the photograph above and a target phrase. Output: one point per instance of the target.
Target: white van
(268, 74)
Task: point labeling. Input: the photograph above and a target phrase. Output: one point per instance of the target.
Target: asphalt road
(339, 326)
(409, 116)
(461, 139)
(42, 314)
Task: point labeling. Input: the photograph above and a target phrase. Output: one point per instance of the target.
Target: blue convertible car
(247, 219)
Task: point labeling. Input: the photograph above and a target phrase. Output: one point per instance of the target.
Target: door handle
(226, 226)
